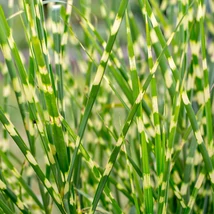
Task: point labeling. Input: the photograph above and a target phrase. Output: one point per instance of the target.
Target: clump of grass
(116, 107)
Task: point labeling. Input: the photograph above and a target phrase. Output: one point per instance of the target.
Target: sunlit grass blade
(4, 207)
(198, 136)
(20, 143)
(196, 188)
(106, 106)
(97, 80)
(17, 201)
(21, 180)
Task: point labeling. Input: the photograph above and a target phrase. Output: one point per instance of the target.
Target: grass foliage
(116, 107)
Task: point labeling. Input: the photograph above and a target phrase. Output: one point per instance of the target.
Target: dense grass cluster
(116, 106)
